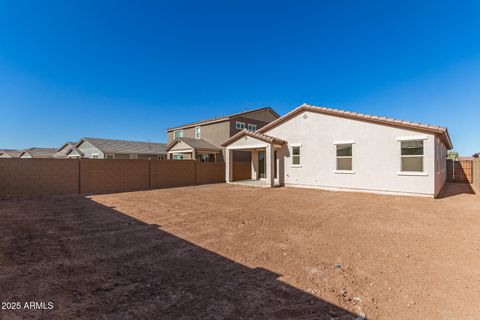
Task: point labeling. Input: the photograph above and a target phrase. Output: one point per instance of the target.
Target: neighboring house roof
(11, 153)
(364, 117)
(196, 144)
(222, 118)
(66, 149)
(125, 147)
(39, 152)
(256, 135)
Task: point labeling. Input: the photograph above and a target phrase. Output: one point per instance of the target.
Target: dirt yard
(234, 252)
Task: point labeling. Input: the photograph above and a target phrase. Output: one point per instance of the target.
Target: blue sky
(130, 69)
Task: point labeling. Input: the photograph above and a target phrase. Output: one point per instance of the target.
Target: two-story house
(202, 140)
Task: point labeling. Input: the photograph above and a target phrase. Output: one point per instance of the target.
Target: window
(207, 157)
(344, 157)
(178, 134)
(161, 157)
(296, 156)
(252, 127)
(197, 132)
(178, 156)
(109, 156)
(134, 156)
(412, 156)
(240, 125)
(94, 156)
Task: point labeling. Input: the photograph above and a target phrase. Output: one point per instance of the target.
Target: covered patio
(266, 165)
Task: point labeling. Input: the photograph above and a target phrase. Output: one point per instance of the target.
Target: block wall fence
(86, 176)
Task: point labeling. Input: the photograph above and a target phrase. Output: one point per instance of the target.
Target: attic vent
(305, 116)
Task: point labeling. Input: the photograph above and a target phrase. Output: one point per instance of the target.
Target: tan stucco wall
(376, 155)
(181, 146)
(215, 133)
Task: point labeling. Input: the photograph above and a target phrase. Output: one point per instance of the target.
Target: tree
(452, 154)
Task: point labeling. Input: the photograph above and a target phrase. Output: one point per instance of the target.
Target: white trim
(295, 144)
(175, 134)
(199, 132)
(295, 165)
(251, 127)
(242, 125)
(409, 138)
(344, 142)
(345, 171)
(412, 173)
(374, 191)
(247, 147)
(181, 151)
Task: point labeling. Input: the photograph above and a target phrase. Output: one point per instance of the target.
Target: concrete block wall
(38, 176)
(242, 171)
(88, 176)
(110, 176)
(210, 172)
(172, 173)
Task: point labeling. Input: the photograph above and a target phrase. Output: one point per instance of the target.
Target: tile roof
(126, 147)
(222, 118)
(11, 152)
(40, 152)
(257, 135)
(364, 117)
(196, 144)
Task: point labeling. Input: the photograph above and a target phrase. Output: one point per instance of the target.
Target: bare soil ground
(235, 252)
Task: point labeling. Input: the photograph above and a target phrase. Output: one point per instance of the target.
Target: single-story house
(10, 153)
(318, 147)
(38, 153)
(96, 148)
(68, 151)
(191, 148)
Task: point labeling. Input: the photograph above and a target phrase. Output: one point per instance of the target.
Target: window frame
(198, 135)
(209, 156)
(343, 143)
(109, 154)
(134, 157)
(251, 127)
(178, 156)
(239, 125)
(180, 131)
(422, 156)
(299, 156)
(94, 155)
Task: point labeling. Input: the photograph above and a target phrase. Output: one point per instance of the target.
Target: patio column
(229, 166)
(269, 158)
(254, 165)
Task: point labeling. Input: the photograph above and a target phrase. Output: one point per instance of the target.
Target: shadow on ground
(455, 189)
(94, 262)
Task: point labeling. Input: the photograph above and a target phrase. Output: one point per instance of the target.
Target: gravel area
(236, 252)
